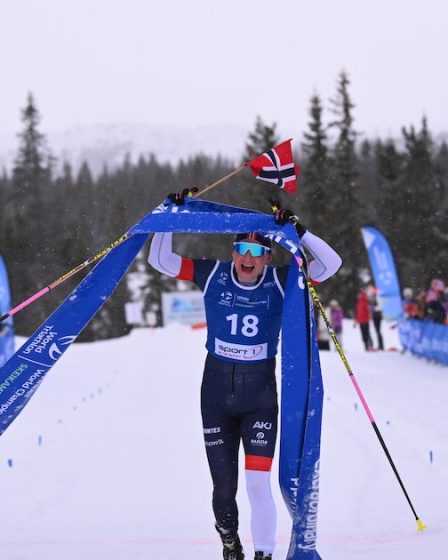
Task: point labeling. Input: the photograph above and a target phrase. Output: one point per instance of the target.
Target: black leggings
(365, 334)
(238, 403)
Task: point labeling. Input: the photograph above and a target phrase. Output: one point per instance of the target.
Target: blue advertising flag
(384, 272)
(7, 326)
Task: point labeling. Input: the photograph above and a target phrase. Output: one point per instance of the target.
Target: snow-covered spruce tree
(29, 248)
(440, 229)
(419, 218)
(343, 197)
(314, 180)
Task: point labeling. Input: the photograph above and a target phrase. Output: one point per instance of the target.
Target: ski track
(108, 459)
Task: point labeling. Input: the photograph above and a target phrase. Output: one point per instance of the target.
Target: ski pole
(64, 277)
(420, 525)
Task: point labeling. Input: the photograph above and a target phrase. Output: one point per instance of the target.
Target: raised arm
(326, 261)
(161, 256)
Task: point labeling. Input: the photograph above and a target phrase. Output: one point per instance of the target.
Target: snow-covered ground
(107, 460)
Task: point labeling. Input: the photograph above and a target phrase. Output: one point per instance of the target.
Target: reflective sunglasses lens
(255, 250)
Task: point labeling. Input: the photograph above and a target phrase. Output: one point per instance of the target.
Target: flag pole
(95, 258)
(213, 185)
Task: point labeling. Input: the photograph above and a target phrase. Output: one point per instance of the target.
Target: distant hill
(109, 144)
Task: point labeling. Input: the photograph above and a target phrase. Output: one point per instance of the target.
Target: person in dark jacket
(376, 314)
(362, 318)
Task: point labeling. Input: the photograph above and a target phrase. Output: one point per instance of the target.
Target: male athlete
(243, 303)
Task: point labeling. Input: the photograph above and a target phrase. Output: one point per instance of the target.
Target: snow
(107, 460)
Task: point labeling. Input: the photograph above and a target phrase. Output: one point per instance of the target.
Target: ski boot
(232, 548)
(259, 555)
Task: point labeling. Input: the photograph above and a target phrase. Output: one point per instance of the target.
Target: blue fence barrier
(426, 339)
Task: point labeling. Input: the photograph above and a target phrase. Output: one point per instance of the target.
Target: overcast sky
(199, 62)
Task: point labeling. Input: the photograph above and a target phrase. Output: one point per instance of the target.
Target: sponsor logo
(43, 338)
(243, 352)
(213, 443)
(212, 430)
(259, 442)
(227, 296)
(55, 352)
(244, 301)
(268, 284)
(260, 435)
(223, 277)
(262, 425)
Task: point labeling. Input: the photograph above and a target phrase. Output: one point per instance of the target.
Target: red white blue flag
(277, 166)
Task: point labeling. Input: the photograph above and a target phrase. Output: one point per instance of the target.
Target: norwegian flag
(277, 166)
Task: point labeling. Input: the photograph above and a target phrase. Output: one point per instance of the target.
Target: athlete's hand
(179, 198)
(283, 216)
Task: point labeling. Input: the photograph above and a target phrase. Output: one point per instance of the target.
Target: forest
(51, 220)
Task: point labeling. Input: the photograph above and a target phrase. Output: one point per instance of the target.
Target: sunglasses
(241, 247)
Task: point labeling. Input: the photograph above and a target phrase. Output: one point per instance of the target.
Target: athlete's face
(248, 267)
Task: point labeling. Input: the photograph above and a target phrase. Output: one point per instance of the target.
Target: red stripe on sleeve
(186, 270)
(255, 463)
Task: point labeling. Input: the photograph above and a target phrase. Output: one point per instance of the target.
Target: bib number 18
(249, 324)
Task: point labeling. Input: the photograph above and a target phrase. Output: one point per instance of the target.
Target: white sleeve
(161, 255)
(326, 261)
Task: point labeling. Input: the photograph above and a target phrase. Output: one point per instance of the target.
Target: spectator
(435, 301)
(410, 306)
(377, 315)
(362, 317)
(335, 316)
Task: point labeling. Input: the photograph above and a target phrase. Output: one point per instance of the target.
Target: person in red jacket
(362, 317)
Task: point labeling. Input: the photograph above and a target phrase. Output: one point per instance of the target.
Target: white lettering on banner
(12, 377)
(312, 502)
(295, 486)
(45, 336)
(243, 352)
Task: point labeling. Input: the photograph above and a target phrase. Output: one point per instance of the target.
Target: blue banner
(301, 418)
(6, 326)
(425, 339)
(301, 378)
(384, 273)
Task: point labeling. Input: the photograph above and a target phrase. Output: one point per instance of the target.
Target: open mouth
(247, 269)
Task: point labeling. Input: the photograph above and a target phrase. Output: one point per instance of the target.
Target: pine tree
(30, 246)
(247, 191)
(263, 137)
(421, 198)
(388, 165)
(315, 173)
(343, 195)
